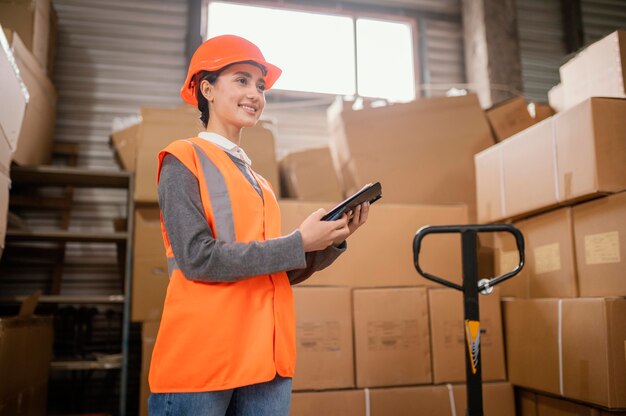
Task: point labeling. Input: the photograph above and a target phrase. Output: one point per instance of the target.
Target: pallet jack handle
(470, 288)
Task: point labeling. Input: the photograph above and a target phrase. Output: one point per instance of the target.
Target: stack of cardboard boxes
(30, 30)
(27, 115)
(137, 147)
(393, 350)
(374, 337)
(562, 182)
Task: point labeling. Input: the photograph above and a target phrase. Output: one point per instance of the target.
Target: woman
(226, 342)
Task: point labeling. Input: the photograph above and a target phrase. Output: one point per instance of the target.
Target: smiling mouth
(248, 108)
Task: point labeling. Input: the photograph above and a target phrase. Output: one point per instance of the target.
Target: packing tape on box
(560, 345)
(367, 401)
(452, 402)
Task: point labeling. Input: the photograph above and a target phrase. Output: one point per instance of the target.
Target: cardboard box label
(508, 260)
(602, 248)
(547, 258)
(392, 335)
(319, 336)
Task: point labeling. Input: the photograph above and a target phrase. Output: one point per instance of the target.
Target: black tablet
(371, 192)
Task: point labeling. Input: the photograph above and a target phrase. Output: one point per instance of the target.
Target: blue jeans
(272, 398)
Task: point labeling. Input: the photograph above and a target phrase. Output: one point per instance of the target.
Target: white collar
(226, 145)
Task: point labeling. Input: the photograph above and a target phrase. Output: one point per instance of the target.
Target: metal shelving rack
(69, 178)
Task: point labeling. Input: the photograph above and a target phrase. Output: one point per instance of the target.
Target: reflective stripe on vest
(218, 336)
(171, 266)
(220, 200)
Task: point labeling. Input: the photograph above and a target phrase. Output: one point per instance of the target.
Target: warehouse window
(324, 53)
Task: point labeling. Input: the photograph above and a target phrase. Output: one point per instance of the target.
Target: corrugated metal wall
(601, 17)
(542, 46)
(113, 57)
(444, 65)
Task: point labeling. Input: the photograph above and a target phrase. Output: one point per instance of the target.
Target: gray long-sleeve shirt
(201, 257)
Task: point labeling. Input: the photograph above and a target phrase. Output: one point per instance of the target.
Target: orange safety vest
(219, 336)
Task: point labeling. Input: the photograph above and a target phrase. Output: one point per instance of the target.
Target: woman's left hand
(357, 219)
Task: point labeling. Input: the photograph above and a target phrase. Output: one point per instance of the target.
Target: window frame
(353, 11)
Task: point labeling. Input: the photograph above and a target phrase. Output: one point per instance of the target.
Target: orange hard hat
(216, 53)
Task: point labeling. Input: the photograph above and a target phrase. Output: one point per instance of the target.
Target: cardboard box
(391, 337)
(448, 336)
(485, 254)
(325, 358)
(595, 127)
(414, 400)
(125, 144)
(509, 117)
(577, 154)
(506, 259)
(531, 334)
(534, 404)
(148, 239)
(600, 233)
(506, 185)
(489, 188)
(13, 104)
(381, 252)
(413, 149)
(34, 146)
(149, 332)
(260, 145)
(25, 356)
(150, 280)
(35, 22)
(309, 175)
(150, 274)
(597, 71)
(527, 187)
(553, 406)
(550, 254)
(525, 402)
(569, 347)
(556, 97)
(498, 399)
(158, 128)
(328, 403)
(440, 400)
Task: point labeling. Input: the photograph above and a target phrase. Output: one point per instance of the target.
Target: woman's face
(238, 96)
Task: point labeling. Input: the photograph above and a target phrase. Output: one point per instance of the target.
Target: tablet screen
(371, 193)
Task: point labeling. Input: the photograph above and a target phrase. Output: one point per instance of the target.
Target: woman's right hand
(318, 234)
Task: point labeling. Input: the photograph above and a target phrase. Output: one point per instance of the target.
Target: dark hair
(211, 77)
